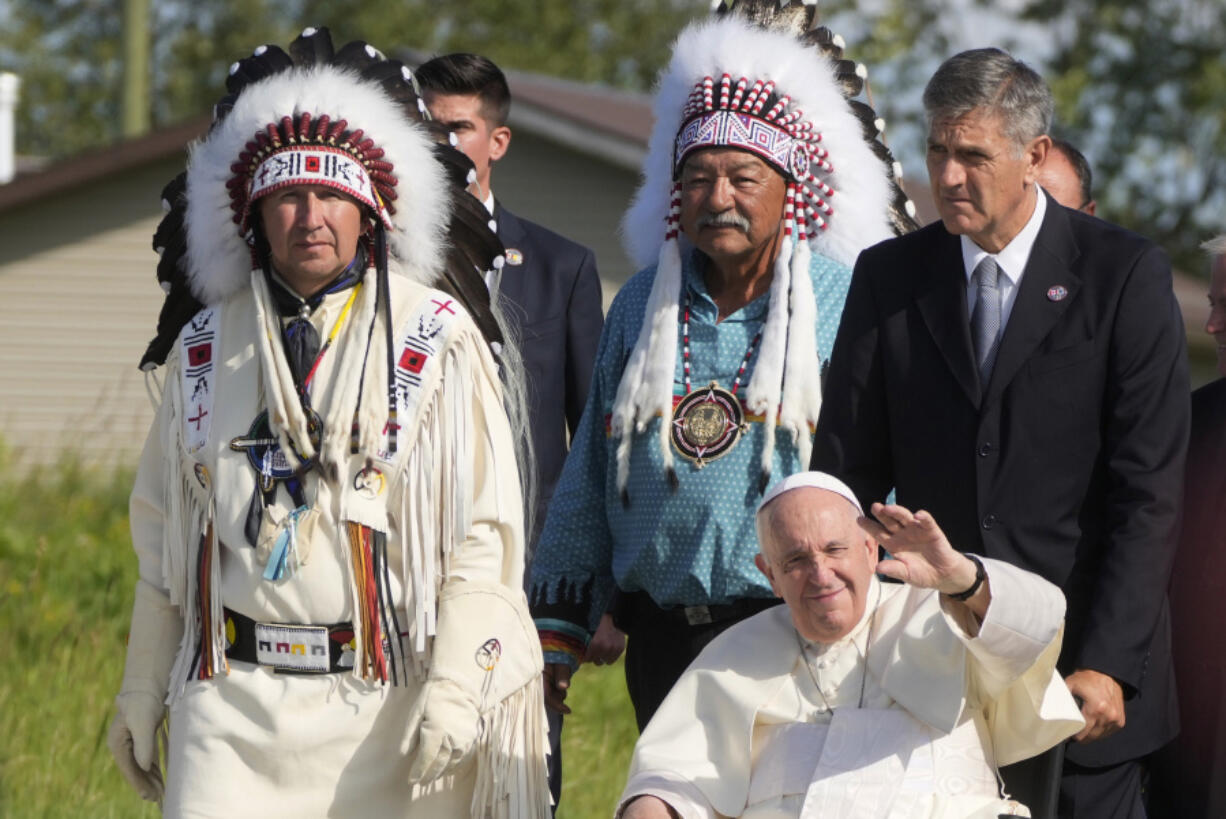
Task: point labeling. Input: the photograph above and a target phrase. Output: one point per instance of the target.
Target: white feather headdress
(727, 77)
(219, 256)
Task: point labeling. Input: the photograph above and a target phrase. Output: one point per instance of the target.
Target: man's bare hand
(648, 807)
(923, 556)
(607, 643)
(556, 679)
(1102, 703)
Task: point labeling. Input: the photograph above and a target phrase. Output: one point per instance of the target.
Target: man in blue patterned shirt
(712, 353)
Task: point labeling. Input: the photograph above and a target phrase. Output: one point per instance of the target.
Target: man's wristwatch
(980, 576)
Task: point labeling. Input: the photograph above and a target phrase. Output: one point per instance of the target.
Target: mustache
(728, 218)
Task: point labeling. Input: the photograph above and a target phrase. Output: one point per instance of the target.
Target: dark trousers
(1113, 792)
(661, 643)
(555, 756)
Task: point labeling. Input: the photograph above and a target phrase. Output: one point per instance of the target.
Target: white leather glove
(441, 732)
(153, 641)
(486, 648)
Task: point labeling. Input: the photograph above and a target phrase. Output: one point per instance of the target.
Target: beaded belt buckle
(292, 648)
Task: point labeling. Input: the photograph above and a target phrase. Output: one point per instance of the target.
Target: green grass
(66, 578)
(597, 739)
(67, 571)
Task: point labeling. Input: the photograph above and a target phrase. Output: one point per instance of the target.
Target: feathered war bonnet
(349, 119)
(764, 79)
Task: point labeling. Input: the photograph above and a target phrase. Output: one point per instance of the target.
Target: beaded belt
(289, 647)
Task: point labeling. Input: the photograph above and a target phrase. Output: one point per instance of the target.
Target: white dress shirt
(1011, 260)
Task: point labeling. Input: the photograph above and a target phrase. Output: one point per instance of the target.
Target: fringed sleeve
(171, 510)
(456, 503)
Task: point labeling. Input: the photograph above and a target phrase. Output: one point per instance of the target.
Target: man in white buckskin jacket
(327, 513)
(861, 698)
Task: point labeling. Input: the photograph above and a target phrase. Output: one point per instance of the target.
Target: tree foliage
(1139, 87)
(1143, 88)
(68, 52)
(67, 55)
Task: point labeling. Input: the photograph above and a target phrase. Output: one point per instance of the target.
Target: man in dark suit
(1188, 775)
(1065, 174)
(550, 297)
(1018, 370)
(550, 287)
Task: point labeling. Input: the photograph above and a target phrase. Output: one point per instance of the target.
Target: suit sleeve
(853, 436)
(584, 321)
(1145, 436)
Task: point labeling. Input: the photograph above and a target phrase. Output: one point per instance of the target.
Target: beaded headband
(311, 152)
(781, 137)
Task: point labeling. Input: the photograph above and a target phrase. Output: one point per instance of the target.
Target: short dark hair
(992, 79)
(466, 74)
(1080, 165)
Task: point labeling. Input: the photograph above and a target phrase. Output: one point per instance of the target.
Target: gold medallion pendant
(707, 423)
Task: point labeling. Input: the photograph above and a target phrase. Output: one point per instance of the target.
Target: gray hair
(1215, 247)
(992, 79)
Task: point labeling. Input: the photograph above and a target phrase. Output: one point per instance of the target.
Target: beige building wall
(574, 195)
(78, 303)
(79, 297)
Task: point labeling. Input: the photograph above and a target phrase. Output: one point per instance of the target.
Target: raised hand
(921, 554)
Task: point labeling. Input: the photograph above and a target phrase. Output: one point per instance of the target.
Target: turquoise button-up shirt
(689, 547)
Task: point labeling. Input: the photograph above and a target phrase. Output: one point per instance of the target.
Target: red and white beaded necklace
(708, 422)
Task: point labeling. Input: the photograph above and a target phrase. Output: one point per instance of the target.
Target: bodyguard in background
(1018, 370)
(550, 283)
(1065, 175)
(551, 299)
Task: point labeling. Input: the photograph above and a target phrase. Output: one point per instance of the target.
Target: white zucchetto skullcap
(817, 480)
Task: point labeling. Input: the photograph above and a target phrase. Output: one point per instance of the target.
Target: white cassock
(907, 716)
(252, 742)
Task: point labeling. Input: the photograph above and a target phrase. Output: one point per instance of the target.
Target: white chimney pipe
(9, 84)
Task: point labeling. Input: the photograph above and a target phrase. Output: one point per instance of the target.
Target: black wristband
(980, 576)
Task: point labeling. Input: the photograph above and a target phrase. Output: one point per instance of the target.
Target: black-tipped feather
(177, 310)
(397, 83)
(867, 117)
(358, 55)
(822, 38)
(312, 47)
(269, 60)
(472, 252)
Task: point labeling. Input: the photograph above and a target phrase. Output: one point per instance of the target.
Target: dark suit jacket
(1188, 779)
(1068, 463)
(553, 299)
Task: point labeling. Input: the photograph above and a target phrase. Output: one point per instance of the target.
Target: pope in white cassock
(861, 698)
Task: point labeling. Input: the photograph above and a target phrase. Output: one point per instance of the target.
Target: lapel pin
(1057, 293)
(514, 256)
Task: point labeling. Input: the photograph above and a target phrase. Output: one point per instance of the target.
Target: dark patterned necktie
(985, 322)
(301, 338)
(301, 345)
